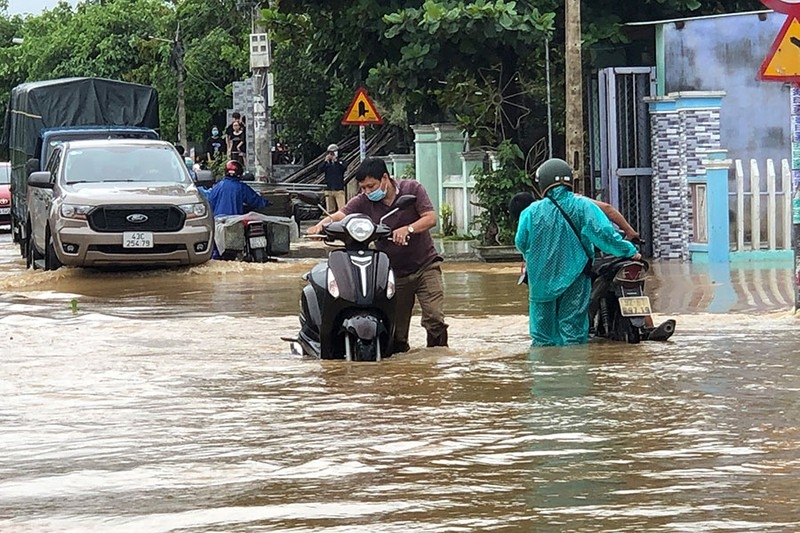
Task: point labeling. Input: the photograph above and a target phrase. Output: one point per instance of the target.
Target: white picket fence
(761, 207)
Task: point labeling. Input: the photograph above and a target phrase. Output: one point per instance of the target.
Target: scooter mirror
(310, 198)
(405, 201)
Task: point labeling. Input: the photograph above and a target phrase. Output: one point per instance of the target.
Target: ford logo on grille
(136, 218)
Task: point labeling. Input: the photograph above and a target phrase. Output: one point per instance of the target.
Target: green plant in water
(494, 189)
(448, 224)
(73, 304)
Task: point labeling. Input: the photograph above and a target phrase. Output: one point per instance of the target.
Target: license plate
(635, 306)
(137, 239)
(5, 210)
(258, 242)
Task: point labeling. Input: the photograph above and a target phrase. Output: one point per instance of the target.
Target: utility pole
(260, 59)
(178, 53)
(574, 84)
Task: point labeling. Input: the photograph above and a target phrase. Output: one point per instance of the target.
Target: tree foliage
(134, 40)
(480, 63)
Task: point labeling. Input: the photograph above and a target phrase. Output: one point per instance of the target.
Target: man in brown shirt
(413, 257)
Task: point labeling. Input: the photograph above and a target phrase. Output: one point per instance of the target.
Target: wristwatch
(410, 228)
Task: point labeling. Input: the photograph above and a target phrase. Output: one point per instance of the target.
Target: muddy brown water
(164, 401)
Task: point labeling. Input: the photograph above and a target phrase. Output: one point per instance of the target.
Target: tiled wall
(682, 127)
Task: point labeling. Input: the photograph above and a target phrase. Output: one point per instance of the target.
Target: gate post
(715, 215)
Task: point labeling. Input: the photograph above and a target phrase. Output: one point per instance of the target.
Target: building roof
(686, 19)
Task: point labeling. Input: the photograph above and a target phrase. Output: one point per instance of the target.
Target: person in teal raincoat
(559, 286)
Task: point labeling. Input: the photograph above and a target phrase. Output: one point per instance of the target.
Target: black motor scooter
(619, 307)
(347, 309)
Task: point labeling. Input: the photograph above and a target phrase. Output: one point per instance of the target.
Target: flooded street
(165, 401)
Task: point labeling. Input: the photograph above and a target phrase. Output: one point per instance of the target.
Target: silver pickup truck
(116, 202)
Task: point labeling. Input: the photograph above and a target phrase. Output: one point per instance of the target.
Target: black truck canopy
(75, 102)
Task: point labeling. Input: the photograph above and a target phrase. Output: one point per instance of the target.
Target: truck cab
(48, 140)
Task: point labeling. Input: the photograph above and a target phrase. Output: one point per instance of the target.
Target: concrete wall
(725, 54)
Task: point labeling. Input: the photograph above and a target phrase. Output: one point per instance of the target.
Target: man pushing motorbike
(557, 236)
(413, 257)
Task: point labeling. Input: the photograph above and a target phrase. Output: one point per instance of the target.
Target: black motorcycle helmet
(553, 172)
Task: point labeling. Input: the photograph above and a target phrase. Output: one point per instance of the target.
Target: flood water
(165, 401)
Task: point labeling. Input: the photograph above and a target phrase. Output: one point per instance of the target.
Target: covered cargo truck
(43, 114)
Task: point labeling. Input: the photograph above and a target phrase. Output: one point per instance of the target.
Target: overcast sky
(18, 7)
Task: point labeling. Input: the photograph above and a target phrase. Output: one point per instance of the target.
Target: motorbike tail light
(390, 286)
(255, 229)
(333, 287)
(631, 272)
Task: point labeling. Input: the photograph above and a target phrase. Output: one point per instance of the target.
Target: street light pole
(574, 83)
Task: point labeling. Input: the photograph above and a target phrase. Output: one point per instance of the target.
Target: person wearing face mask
(416, 264)
(215, 145)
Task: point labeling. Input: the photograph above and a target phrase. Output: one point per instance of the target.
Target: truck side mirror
(43, 180)
(205, 178)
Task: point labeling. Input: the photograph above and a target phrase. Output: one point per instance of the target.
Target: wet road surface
(165, 401)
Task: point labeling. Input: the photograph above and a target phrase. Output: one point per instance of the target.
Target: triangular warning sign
(783, 61)
(362, 111)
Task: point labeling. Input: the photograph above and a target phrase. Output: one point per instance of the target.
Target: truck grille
(115, 218)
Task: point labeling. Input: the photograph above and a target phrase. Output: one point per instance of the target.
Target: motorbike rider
(230, 196)
(557, 236)
(523, 199)
(416, 264)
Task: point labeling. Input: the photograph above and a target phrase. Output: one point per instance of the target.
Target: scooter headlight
(360, 229)
(390, 287)
(333, 287)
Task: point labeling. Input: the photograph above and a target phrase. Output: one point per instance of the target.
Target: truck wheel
(51, 261)
(15, 232)
(32, 255)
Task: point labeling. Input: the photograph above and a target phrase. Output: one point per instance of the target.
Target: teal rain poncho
(558, 290)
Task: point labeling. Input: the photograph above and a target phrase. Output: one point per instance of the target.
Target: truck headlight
(194, 210)
(78, 212)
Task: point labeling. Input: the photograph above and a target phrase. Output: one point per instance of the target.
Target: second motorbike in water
(347, 308)
(619, 309)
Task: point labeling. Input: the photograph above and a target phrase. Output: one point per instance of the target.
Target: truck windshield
(124, 164)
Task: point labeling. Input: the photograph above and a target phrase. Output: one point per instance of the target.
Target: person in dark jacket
(334, 169)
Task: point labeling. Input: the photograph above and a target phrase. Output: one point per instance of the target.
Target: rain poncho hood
(553, 255)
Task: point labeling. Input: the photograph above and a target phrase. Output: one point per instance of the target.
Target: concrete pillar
(401, 162)
(450, 141)
(469, 162)
(684, 126)
(717, 219)
(426, 160)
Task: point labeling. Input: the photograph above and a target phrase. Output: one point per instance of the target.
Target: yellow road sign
(362, 111)
(783, 61)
